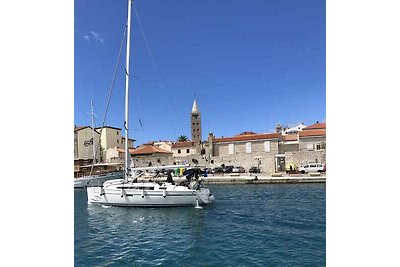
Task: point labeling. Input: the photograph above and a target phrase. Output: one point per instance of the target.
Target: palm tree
(182, 138)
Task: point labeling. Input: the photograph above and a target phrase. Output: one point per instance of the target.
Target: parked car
(217, 170)
(238, 169)
(311, 167)
(291, 167)
(228, 169)
(191, 172)
(254, 170)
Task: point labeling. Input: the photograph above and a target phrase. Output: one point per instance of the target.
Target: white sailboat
(129, 192)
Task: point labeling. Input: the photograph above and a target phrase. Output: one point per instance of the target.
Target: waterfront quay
(264, 179)
(261, 178)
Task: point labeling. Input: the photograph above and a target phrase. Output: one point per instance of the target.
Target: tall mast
(128, 24)
(92, 115)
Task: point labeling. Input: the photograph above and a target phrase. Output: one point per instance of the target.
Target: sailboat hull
(173, 197)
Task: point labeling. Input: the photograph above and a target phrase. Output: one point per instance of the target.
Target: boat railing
(96, 174)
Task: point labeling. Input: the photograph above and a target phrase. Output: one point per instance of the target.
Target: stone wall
(239, 158)
(222, 149)
(298, 157)
(305, 154)
(155, 160)
(267, 161)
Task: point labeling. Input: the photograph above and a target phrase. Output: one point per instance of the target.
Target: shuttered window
(248, 148)
(231, 149)
(310, 147)
(267, 146)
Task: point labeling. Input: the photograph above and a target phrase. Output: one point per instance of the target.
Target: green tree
(182, 138)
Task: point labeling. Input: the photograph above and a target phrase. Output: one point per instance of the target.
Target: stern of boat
(205, 196)
(94, 194)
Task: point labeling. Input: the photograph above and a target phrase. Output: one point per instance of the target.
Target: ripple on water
(248, 225)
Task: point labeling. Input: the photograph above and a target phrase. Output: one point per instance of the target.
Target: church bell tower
(195, 125)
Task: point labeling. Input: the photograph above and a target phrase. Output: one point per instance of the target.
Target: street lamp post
(258, 158)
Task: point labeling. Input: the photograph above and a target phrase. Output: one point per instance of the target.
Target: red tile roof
(289, 137)
(78, 128)
(312, 133)
(146, 150)
(183, 144)
(318, 125)
(110, 127)
(122, 150)
(247, 137)
(245, 133)
(131, 139)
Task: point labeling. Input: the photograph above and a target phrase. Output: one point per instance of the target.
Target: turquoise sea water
(247, 225)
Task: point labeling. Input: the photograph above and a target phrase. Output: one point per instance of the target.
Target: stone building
(111, 138)
(167, 145)
(147, 155)
(85, 140)
(270, 151)
(308, 145)
(196, 145)
(184, 149)
(195, 127)
(246, 149)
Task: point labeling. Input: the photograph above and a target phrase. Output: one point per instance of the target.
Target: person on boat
(169, 178)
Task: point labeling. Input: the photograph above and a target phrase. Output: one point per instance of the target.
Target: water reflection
(246, 226)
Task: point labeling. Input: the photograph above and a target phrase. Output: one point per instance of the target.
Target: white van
(311, 167)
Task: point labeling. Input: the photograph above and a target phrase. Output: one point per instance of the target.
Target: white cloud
(87, 38)
(97, 36)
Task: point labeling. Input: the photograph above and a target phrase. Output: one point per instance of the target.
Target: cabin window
(136, 187)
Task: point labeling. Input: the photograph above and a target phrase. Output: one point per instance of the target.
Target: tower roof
(194, 108)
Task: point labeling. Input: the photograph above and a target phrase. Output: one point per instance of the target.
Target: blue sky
(250, 64)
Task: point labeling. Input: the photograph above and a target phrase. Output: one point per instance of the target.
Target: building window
(117, 132)
(310, 147)
(321, 146)
(179, 151)
(117, 141)
(187, 150)
(231, 149)
(267, 146)
(248, 148)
